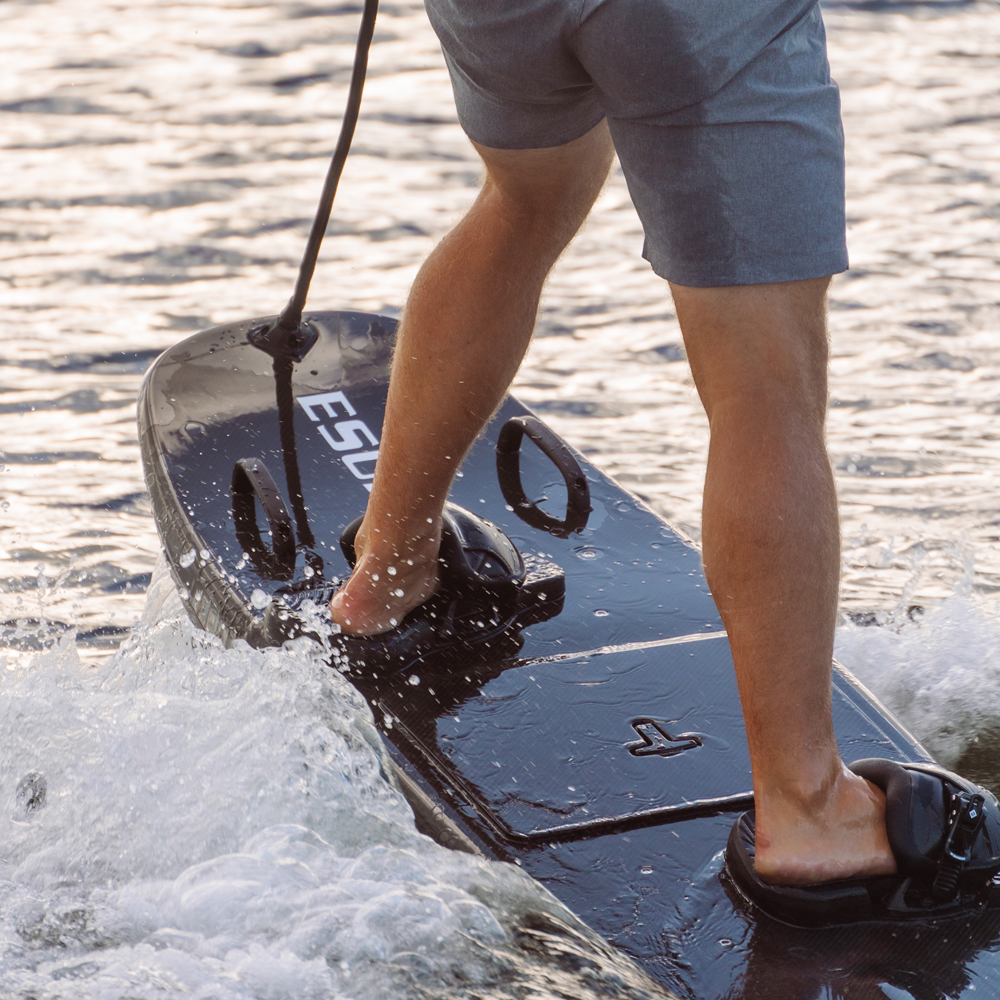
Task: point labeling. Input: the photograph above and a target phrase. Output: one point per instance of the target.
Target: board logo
(353, 437)
(655, 741)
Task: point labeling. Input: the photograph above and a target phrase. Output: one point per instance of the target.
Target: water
(187, 820)
(162, 163)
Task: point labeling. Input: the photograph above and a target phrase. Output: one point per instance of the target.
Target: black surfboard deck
(602, 749)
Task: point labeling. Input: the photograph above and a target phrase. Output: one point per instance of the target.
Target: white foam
(939, 671)
(218, 823)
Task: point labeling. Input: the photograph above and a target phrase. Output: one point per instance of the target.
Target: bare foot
(838, 833)
(389, 581)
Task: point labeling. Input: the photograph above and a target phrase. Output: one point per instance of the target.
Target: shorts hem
(708, 275)
(513, 139)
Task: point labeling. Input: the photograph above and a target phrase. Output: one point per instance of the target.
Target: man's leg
(771, 548)
(465, 328)
(771, 539)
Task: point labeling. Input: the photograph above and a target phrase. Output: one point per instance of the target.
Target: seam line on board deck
(625, 647)
(588, 829)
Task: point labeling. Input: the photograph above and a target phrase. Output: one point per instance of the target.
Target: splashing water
(935, 666)
(939, 672)
(192, 821)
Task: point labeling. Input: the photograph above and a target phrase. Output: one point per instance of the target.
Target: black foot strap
(944, 832)
(481, 576)
(487, 595)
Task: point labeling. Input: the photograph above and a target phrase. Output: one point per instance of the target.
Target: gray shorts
(723, 113)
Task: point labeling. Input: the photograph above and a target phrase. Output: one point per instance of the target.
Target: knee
(772, 412)
(786, 380)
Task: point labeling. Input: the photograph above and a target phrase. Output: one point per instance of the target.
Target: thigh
(517, 82)
(734, 161)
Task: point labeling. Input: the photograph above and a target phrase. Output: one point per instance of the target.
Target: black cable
(291, 315)
(286, 430)
(287, 340)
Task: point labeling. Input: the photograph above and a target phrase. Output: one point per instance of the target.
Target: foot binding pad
(944, 832)
(487, 594)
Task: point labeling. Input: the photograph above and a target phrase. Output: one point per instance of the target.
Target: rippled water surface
(162, 163)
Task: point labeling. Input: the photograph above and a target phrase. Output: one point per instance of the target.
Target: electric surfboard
(596, 738)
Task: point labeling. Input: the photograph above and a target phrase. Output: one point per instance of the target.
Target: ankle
(816, 810)
(804, 789)
(846, 837)
(380, 592)
(399, 544)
